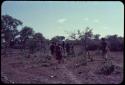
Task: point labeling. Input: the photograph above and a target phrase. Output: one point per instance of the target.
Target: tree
(9, 22)
(39, 39)
(58, 38)
(88, 33)
(116, 42)
(8, 30)
(84, 37)
(97, 36)
(26, 33)
(9, 27)
(73, 36)
(39, 36)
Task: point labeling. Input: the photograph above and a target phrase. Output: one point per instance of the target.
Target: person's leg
(106, 56)
(73, 53)
(68, 52)
(59, 59)
(51, 53)
(103, 54)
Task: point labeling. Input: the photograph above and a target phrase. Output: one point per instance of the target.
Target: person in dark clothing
(32, 46)
(67, 48)
(58, 53)
(63, 48)
(63, 45)
(52, 48)
(12, 44)
(104, 48)
(72, 50)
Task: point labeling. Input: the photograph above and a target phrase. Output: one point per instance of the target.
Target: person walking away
(63, 48)
(67, 49)
(104, 48)
(58, 53)
(52, 47)
(72, 50)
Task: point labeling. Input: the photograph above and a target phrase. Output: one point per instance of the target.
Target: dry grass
(40, 68)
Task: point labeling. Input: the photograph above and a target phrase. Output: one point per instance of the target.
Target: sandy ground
(16, 68)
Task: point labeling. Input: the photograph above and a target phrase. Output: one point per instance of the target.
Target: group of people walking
(59, 50)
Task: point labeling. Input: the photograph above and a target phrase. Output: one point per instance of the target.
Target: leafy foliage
(26, 32)
(58, 38)
(9, 28)
(85, 38)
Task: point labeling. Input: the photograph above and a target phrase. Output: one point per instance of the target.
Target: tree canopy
(83, 37)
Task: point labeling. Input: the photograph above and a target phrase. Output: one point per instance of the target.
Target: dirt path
(69, 74)
(26, 70)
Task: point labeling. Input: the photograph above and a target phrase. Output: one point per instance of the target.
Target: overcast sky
(53, 18)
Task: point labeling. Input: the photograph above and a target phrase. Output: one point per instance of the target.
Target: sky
(53, 18)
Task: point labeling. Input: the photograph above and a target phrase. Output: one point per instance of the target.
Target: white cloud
(105, 28)
(62, 20)
(96, 21)
(86, 19)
